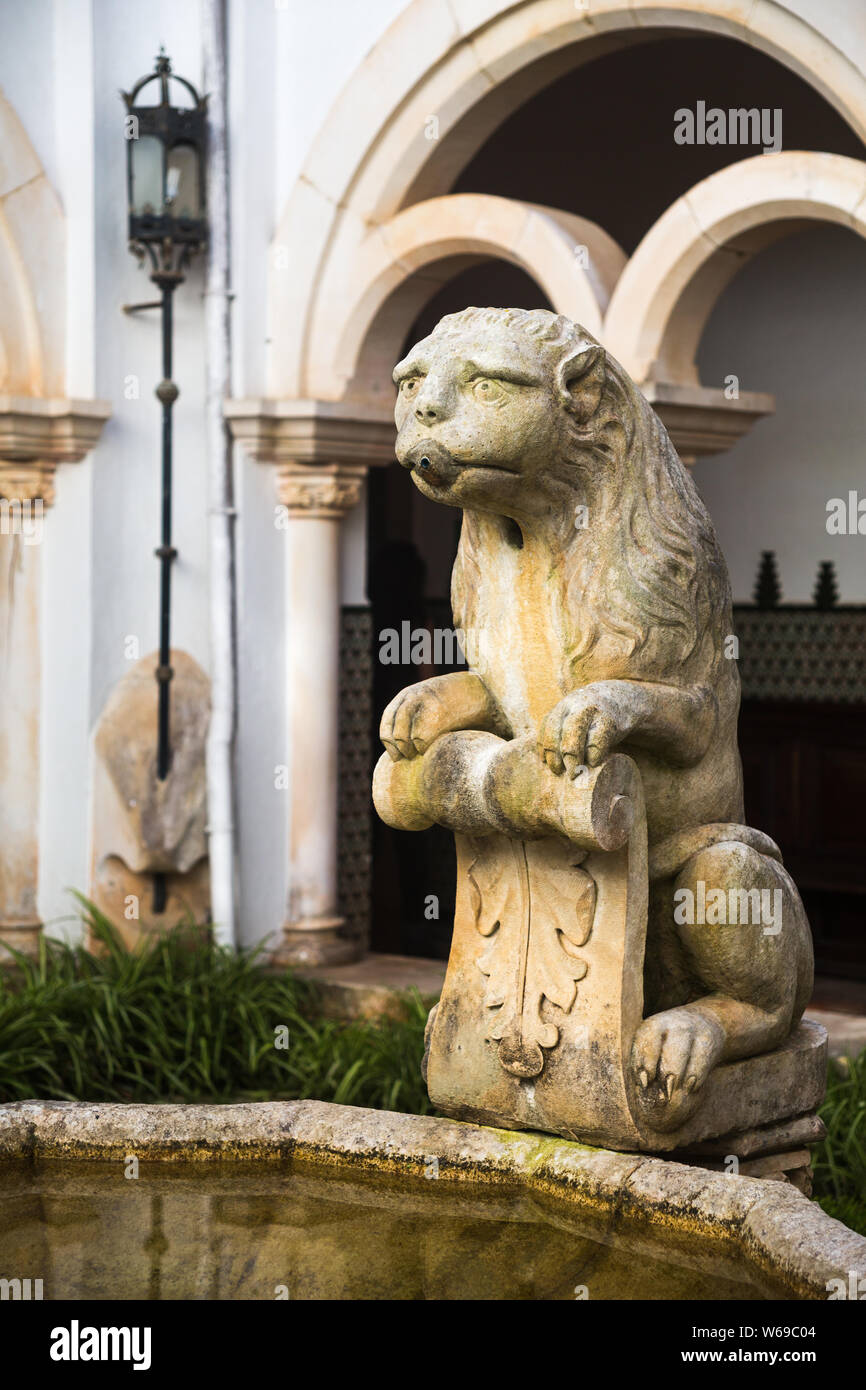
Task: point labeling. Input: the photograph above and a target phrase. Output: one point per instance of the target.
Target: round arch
(442, 60)
(403, 262)
(661, 303)
(32, 261)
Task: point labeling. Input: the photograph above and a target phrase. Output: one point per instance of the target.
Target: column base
(315, 941)
(21, 936)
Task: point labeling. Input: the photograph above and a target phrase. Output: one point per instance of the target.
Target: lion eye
(486, 389)
(410, 385)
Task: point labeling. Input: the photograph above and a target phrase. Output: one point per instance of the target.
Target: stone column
(36, 434)
(317, 498)
(322, 451)
(26, 492)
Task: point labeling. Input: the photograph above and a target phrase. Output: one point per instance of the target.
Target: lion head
(523, 416)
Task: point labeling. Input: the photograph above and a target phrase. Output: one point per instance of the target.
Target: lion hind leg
(746, 943)
(669, 856)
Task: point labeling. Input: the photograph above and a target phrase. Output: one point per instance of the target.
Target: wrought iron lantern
(166, 149)
(165, 156)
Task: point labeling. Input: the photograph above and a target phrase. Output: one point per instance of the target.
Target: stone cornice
(327, 491)
(50, 430)
(312, 432)
(701, 420)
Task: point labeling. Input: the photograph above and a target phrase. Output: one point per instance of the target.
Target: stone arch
(436, 83)
(32, 269)
(403, 262)
(666, 293)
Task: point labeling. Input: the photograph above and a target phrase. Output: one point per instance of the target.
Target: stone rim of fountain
(779, 1233)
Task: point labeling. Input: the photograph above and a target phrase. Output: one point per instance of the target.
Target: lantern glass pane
(147, 175)
(181, 182)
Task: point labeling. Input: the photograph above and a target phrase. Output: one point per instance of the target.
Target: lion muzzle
(432, 462)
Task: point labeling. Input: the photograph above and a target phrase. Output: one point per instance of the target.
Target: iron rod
(167, 393)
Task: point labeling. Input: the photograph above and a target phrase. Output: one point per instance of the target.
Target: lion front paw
(412, 720)
(672, 1055)
(584, 727)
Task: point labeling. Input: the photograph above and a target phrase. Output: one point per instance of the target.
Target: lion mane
(648, 565)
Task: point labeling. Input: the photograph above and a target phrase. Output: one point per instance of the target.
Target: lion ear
(581, 381)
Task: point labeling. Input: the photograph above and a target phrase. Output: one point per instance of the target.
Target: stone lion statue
(589, 562)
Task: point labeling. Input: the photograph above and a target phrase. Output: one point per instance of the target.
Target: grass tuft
(840, 1160)
(183, 1019)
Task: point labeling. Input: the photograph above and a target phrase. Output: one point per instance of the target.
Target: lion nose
(432, 403)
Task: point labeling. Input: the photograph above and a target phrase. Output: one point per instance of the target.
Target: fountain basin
(311, 1200)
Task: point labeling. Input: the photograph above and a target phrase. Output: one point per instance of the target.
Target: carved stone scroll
(543, 992)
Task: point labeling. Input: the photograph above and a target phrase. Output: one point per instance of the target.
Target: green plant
(840, 1160)
(186, 1020)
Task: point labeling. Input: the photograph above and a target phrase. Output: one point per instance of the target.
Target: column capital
(312, 432)
(28, 480)
(325, 491)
